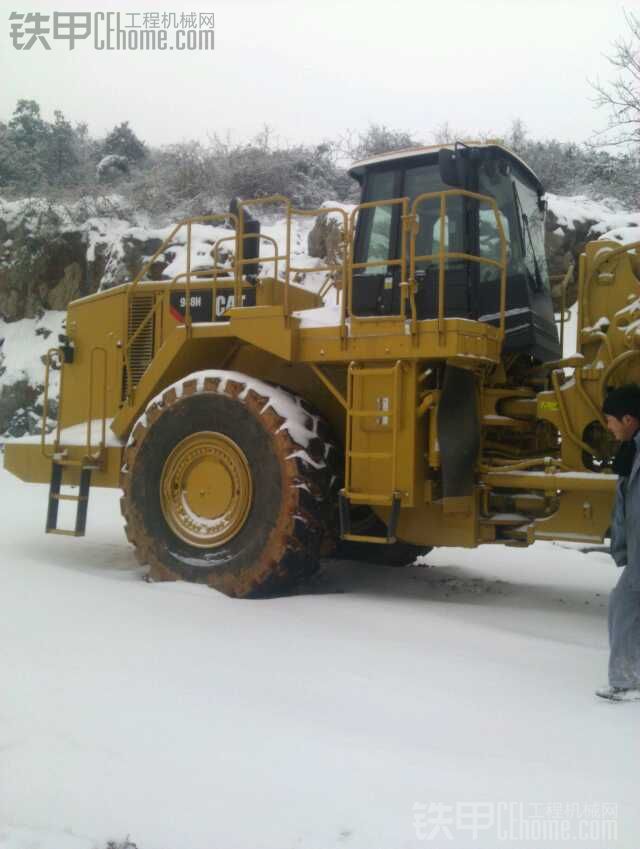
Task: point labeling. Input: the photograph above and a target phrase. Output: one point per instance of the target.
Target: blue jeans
(624, 634)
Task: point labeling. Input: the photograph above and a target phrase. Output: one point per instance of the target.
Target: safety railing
(339, 273)
(234, 273)
(443, 255)
(259, 260)
(92, 452)
(188, 275)
(406, 286)
(336, 270)
(333, 270)
(343, 270)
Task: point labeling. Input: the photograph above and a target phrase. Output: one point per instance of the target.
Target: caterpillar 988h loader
(431, 406)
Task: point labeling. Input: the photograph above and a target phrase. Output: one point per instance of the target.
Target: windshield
(379, 224)
(423, 180)
(517, 201)
(533, 229)
(522, 221)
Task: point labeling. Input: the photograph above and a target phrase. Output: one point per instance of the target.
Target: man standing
(622, 411)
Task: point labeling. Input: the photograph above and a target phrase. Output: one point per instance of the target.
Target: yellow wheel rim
(206, 489)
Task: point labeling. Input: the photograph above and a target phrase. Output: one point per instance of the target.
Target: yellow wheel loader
(419, 399)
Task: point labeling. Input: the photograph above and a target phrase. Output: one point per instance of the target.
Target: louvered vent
(142, 347)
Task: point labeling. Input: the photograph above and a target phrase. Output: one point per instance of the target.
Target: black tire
(284, 532)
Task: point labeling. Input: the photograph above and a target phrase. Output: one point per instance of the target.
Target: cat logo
(225, 300)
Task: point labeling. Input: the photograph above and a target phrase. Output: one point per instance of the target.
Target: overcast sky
(315, 70)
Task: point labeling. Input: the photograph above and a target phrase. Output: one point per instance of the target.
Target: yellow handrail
(103, 418)
(401, 261)
(331, 268)
(51, 353)
(443, 255)
(188, 223)
(405, 262)
(90, 453)
(272, 200)
(241, 261)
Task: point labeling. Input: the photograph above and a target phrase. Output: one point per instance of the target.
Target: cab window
(532, 224)
(377, 222)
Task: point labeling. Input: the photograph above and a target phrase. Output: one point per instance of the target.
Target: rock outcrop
(572, 222)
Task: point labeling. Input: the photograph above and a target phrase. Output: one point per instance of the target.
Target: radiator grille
(142, 348)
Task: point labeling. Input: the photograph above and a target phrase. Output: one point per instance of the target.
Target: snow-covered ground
(187, 720)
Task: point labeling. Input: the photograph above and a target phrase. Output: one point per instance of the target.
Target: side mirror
(454, 168)
(448, 167)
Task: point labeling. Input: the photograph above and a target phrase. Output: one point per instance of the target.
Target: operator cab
(472, 289)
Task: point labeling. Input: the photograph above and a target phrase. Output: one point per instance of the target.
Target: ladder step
(378, 414)
(361, 373)
(365, 538)
(55, 497)
(64, 533)
(371, 455)
(345, 521)
(370, 498)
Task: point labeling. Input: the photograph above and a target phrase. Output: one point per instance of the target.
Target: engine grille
(142, 349)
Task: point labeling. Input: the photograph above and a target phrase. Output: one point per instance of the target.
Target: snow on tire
(227, 481)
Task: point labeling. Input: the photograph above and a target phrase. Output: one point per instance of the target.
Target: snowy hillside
(188, 720)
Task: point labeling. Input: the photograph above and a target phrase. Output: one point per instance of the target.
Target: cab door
(375, 284)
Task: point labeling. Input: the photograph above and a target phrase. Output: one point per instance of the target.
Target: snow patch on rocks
(26, 343)
(605, 219)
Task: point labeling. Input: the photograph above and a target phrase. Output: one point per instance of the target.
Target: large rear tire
(227, 482)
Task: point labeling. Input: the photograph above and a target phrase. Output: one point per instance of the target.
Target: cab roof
(358, 168)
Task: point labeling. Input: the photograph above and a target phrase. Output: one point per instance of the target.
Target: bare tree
(621, 97)
(376, 139)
